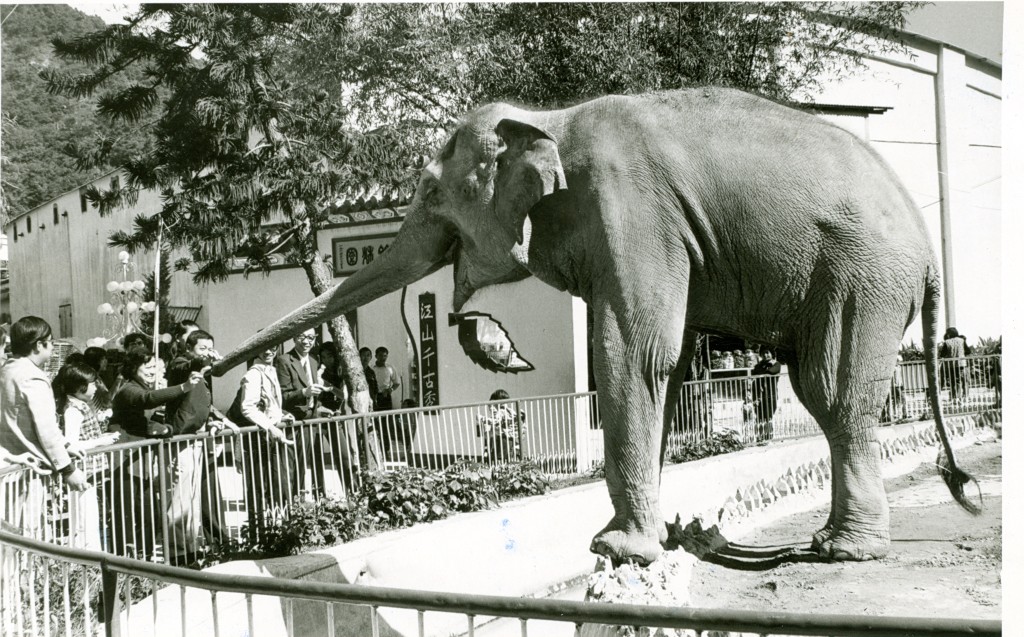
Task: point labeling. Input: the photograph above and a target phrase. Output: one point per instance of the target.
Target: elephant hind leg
(843, 376)
(825, 532)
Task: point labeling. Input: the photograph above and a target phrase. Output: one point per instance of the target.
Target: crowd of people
(736, 359)
(100, 397)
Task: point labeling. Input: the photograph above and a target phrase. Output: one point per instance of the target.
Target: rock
(666, 582)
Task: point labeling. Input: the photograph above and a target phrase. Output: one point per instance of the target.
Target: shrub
(310, 525)
(519, 480)
(468, 486)
(718, 443)
(409, 496)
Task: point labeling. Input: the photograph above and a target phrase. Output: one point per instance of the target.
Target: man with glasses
(28, 422)
(298, 372)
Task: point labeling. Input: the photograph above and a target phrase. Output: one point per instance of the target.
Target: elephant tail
(954, 477)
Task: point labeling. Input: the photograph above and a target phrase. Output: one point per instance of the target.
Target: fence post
(581, 418)
(111, 603)
(520, 440)
(159, 504)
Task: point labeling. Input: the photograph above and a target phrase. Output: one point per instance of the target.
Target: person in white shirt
(266, 459)
(388, 380)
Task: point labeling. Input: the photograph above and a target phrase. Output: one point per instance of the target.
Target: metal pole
(519, 432)
(111, 605)
(162, 481)
(156, 287)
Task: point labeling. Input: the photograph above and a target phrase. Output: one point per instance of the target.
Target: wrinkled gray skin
(705, 209)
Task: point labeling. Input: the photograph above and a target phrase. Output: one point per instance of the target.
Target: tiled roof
(378, 202)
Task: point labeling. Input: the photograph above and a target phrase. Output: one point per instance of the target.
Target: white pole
(156, 288)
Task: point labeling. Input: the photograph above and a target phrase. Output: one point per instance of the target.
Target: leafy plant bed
(410, 496)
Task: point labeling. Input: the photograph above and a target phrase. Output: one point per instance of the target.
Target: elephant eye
(431, 193)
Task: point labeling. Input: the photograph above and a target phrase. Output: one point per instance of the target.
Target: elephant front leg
(632, 368)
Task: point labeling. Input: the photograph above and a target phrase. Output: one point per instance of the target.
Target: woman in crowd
(329, 375)
(96, 357)
(133, 497)
(266, 461)
(179, 336)
(75, 387)
(341, 434)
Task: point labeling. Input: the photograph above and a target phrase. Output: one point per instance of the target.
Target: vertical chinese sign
(428, 350)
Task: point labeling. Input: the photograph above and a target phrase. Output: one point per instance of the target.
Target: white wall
(71, 262)
(538, 318)
(241, 306)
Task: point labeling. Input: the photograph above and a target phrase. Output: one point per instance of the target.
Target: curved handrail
(519, 607)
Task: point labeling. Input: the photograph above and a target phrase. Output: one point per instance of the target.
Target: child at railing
(749, 417)
(500, 428)
(75, 388)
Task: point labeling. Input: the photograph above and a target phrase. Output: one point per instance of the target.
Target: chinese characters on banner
(428, 350)
(352, 254)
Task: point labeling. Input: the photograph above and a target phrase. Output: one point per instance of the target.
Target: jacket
(292, 378)
(28, 414)
(188, 413)
(132, 401)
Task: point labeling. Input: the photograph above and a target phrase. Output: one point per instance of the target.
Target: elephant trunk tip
(956, 478)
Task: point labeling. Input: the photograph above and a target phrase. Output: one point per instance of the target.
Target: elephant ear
(528, 170)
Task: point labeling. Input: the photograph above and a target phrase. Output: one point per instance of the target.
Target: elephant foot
(844, 548)
(633, 546)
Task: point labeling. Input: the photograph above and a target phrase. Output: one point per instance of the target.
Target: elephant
(706, 209)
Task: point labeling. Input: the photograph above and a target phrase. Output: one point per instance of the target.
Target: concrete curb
(530, 547)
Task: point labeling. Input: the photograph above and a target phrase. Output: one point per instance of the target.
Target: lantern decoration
(122, 313)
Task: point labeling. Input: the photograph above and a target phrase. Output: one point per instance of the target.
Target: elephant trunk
(423, 245)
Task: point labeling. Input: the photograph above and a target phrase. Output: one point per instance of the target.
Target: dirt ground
(943, 561)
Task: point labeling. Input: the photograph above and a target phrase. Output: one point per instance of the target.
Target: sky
(973, 26)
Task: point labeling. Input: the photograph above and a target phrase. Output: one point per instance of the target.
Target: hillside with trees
(37, 125)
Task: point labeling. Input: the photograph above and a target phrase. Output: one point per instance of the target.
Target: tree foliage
(415, 68)
(234, 147)
(267, 113)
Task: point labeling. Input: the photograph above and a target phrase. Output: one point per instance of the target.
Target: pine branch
(212, 271)
(130, 104)
(107, 201)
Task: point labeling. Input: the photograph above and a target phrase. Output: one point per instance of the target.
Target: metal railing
(163, 500)
(97, 594)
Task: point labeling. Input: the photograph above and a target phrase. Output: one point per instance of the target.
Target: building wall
(71, 263)
(541, 329)
(239, 307)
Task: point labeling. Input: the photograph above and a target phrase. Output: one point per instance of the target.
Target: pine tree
(235, 146)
